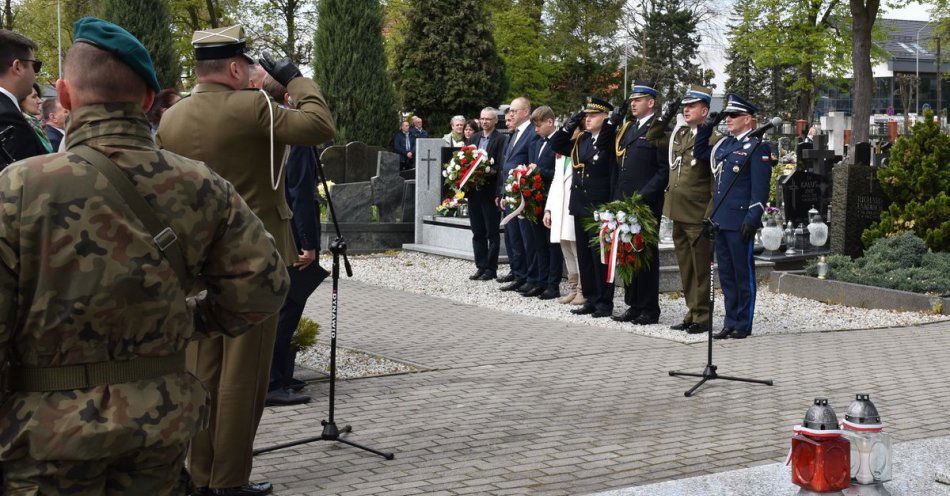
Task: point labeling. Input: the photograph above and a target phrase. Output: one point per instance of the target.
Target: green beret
(119, 42)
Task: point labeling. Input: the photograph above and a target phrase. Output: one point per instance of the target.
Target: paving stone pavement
(518, 405)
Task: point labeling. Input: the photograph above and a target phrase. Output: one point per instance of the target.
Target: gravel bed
(351, 364)
(774, 313)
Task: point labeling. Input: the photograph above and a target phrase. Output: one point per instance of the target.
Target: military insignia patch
(746, 146)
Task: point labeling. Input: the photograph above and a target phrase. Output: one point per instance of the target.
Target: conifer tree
(349, 64)
(447, 63)
(149, 21)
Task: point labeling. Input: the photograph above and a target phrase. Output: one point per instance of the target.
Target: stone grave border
(855, 295)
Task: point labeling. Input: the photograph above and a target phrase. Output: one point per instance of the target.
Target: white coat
(559, 197)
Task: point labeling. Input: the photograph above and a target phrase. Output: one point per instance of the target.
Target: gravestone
(836, 123)
(355, 162)
(428, 179)
(856, 202)
(819, 159)
(352, 201)
(409, 201)
(801, 191)
(388, 188)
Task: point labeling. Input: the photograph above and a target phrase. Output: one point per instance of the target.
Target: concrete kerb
(855, 295)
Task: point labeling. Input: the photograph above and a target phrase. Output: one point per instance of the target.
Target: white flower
(607, 216)
(624, 228)
(633, 219)
(597, 216)
(621, 215)
(626, 237)
(508, 188)
(611, 225)
(445, 173)
(635, 228)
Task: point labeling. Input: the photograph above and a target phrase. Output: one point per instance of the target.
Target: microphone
(775, 122)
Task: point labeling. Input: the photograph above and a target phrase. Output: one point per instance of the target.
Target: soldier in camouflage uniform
(95, 316)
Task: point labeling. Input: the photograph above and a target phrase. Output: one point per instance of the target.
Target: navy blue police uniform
(595, 172)
(743, 206)
(644, 169)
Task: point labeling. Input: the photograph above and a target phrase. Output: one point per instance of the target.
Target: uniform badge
(692, 162)
(735, 168)
(596, 156)
(746, 146)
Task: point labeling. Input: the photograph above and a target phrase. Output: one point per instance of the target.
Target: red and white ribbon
(479, 160)
(516, 212)
(614, 252)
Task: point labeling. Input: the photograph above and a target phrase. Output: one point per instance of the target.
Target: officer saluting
(595, 162)
(100, 248)
(643, 169)
(740, 214)
(241, 134)
(687, 203)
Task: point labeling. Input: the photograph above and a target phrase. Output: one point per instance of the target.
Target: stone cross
(428, 179)
(836, 123)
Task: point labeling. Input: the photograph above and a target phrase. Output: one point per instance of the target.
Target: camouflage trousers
(151, 471)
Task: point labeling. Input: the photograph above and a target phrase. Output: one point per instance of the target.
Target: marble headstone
(428, 179)
(353, 201)
(801, 191)
(355, 162)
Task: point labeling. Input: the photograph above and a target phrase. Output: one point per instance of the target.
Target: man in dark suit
(55, 117)
(550, 261)
(594, 160)
(417, 131)
(18, 69)
(305, 272)
(482, 212)
(643, 168)
(404, 145)
(519, 233)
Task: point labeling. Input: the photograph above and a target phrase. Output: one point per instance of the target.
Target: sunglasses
(37, 64)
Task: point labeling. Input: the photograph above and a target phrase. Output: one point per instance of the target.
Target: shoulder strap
(165, 238)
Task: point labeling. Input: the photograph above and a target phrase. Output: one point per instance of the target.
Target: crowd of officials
(602, 154)
(151, 276)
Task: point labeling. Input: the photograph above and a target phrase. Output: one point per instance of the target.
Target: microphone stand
(711, 229)
(338, 248)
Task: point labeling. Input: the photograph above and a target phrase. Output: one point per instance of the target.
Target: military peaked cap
(642, 88)
(697, 93)
(220, 43)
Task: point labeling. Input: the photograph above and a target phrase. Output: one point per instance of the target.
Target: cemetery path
(511, 404)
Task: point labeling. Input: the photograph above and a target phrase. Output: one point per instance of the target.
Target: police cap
(593, 105)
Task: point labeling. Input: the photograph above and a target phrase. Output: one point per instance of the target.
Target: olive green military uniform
(230, 131)
(83, 284)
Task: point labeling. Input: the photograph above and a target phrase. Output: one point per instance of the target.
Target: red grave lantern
(820, 455)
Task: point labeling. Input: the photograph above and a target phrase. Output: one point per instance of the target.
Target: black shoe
(513, 286)
(477, 275)
(283, 397)
(526, 287)
(487, 276)
(627, 316)
(724, 333)
(533, 292)
(645, 319)
(585, 309)
(296, 385)
(509, 277)
(250, 489)
(599, 314)
(549, 294)
(697, 328)
(682, 326)
(740, 334)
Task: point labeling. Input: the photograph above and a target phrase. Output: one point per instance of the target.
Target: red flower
(630, 259)
(538, 196)
(514, 188)
(526, 193)
(463, 161)
(538, 210)
(638, 241)
(521, 181)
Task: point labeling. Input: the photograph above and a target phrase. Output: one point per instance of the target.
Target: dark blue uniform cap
(642, 88)
(119, 42)
(736, 105)
(593, 105)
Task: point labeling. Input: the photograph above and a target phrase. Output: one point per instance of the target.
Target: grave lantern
(820, 455)
(818, 231)
(870, 446)
(789, 239)
(772, 235)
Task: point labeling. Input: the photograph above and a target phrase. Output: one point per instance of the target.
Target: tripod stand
(711, 229)
(330, 430)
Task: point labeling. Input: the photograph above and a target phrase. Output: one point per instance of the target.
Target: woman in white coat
(561, 223)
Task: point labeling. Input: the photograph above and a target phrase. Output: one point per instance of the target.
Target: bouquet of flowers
(524, 193)
(449, 206)
(469, 168)
(621, 230)
(771, 213)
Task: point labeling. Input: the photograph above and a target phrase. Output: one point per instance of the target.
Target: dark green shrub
(306, 335)
(917, 181)
(900, 262)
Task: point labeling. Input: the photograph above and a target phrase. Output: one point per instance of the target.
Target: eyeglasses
(37, 64)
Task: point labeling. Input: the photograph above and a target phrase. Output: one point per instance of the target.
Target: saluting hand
(573, 122)
(670, 113)
(283, 71)
(714, 119)
(620, 113)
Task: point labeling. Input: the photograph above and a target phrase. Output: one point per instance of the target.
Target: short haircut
(274, 89)
(13, 46)
(472, 123)
(163, 101)
(541, 114)
(98, 76)
(458, 118)
(49, 106)
(211, 66)
(493, 110)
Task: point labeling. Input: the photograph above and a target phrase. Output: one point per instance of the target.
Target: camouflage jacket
(81, 281)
